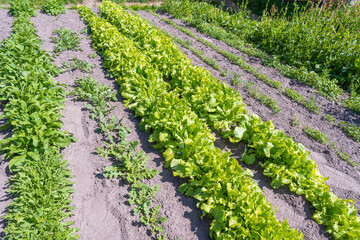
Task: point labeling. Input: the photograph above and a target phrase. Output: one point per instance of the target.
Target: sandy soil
(5, 29)
(344, 179)
(101, 208)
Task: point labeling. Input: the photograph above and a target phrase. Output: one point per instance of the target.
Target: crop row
(285, 161)
(226, 193)
(233, 28)
(295, 40)
(350, 129)
(40, 187)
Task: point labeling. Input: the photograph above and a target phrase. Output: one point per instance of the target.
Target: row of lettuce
(40, 185)
(226, 193)
(285, 161)
(320, 47)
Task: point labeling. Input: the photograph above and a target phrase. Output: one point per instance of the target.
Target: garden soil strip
(5, 31)
(101, 207)
(5, 24)
(344, 179)
(289, 107)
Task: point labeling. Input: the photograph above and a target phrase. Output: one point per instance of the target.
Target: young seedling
(351, 130)
(131, 165)
(295, 121)
(224, 73)
(236, 79)
(76, 63)
(92, 55)
(330, 118)
(66, 40)
(316, 134)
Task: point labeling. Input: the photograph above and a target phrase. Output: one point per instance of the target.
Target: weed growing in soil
(53, 7)
(130, 163)
(66, 40)
(316, 134)
(92, 55)
(295, 121)
(351, 130)
(263, 98)
(236, 79)
(76, 63)
(330, 118)
(224, 73)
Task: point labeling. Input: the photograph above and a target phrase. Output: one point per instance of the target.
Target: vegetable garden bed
(101, 206)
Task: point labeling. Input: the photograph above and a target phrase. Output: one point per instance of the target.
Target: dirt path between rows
(344, 179)
(101, 208)
(5, 31)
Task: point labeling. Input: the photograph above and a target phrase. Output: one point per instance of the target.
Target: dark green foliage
(18, 7)
(53, 7)
(66, 40)
(40, 185)
(325, 66)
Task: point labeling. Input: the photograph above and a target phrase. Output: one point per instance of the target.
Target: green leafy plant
(179, 133)
(92, 55)
(130, 164)
(263, 98)
(330, 118)
(295, 121)
(66, 40)
(297, 97)
(351, 130)
(76, 63)
(236, 79)
(224, 73)
(316, 134)
(40, 185)
(20, 7)
(53, 7)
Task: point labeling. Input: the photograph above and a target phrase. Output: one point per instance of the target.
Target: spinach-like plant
(53, 7)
